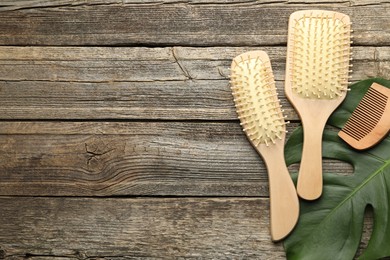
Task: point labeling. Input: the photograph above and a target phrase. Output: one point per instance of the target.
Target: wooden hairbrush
(370, 121)
(261, 117)
(317, 69)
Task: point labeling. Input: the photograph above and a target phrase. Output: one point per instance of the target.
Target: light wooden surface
(118, 135)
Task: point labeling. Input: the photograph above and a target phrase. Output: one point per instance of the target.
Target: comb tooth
(366, 115)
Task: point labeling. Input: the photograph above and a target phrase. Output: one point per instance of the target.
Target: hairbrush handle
(284, 203)
(310, 184)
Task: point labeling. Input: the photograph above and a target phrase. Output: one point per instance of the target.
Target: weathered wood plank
(163, 23)
(190, 228)
(204, 99)
(138, 83)
(141, 228)
(132, 158)
(8, 5)
(114, 64)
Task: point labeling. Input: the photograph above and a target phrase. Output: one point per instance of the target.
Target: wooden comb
(370, 121)
(261, 117)
(318, 54)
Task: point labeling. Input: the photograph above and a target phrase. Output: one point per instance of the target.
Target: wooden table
(118, 133)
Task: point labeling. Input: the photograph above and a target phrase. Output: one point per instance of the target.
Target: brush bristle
(366, 115)
(320, 54)
(256, 100)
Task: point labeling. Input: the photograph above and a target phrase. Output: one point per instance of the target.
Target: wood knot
(2, 253)
(95, 151)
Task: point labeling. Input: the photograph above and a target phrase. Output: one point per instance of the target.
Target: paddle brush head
(256, 100)
(318, 54)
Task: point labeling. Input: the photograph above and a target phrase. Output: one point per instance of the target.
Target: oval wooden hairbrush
(261, 117)
(318, 54)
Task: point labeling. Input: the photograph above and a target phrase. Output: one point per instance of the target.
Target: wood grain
(132, 158)
(169, 23)
(138, 83)
(140, 228)
(138, 153)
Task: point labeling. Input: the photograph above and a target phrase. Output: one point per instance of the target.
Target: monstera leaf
(331, 227)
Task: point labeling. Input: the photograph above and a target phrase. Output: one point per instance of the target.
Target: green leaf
(331, 227)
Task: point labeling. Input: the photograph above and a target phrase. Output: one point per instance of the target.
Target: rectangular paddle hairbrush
(370, 121)
(318, 54)
(258, 108)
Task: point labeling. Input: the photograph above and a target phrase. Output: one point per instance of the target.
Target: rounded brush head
(319, 48)
(255, 97)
